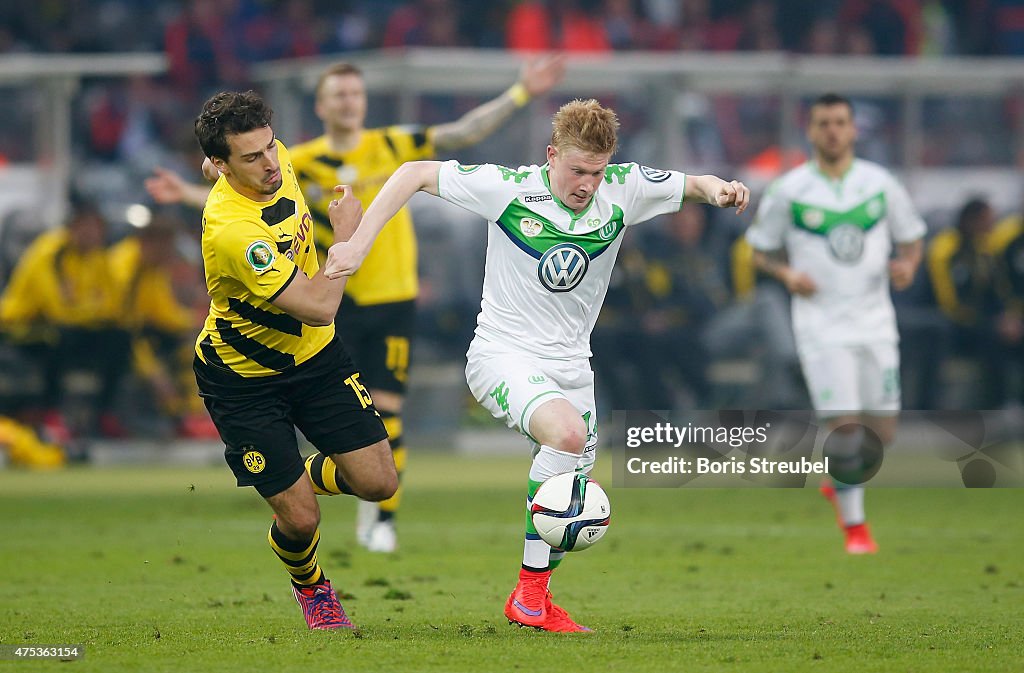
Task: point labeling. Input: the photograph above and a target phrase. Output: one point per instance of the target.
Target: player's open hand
(345, 213)
(166, 186)
(343, 259)
(540, 74)
(733, 193)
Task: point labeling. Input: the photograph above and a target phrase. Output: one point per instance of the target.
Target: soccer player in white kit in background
(552, 237)
(826, 230)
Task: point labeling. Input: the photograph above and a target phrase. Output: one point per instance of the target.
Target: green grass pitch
(169, 570)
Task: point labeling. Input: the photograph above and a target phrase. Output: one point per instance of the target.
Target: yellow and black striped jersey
(56, 284)
(388, 274)
(251, 252)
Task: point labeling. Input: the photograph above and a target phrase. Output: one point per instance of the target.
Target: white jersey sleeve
(484, 189)
(904, 222)
(648, 192)
(768, 231)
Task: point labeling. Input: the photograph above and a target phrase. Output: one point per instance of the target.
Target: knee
(380, 488)
(570, 435)
(299, 525)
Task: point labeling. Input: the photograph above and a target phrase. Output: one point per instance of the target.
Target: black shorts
(379, 336)
(256, 417)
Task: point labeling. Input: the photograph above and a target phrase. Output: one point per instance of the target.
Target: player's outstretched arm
(166, 186)
(343, 259)
(536, 78)
(714, 190)
(315, 300)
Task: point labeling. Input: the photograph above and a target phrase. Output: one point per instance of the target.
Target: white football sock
(851, 504)
(547, 463)
(845, 449)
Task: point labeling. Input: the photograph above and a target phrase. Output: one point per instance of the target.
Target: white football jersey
(841, 234)
(547, 269)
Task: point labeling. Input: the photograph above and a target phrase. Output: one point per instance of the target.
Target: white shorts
(856, 379)
(512, 386)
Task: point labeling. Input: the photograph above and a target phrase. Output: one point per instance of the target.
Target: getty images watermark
(793, 449)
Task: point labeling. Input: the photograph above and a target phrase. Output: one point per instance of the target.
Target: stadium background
(99, 92)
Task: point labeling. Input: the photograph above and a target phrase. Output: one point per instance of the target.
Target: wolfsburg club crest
(846, 242)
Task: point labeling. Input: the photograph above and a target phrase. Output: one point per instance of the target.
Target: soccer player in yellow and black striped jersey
(378, 308)
(267, 360)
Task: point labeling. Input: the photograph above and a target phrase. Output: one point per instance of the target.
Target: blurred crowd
(193, 30)
(97, 332)
(211, 44)
(97, 317)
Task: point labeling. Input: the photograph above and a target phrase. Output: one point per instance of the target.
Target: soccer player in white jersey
(552, 237)
(827, 230)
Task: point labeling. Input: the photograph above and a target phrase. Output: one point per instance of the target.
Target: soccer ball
(570, 511)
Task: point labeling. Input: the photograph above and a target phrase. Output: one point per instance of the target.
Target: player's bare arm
(775, 264)
(903, 268)
(315, 300)
(715, 191)
(166, 187)
(344, 258)
(536, 78)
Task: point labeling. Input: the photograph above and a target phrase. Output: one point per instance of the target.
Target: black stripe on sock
(316, 471)
(303, 578)
(286, 543)
(323, 578)
(536, 570)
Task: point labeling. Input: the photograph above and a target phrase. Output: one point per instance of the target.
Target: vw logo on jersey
(846, 242)
(563, 267)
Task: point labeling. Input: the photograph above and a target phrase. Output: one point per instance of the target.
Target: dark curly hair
(229, 113)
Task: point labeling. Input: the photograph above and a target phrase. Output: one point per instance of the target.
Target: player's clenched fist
(733, 193)
(343, 259)
(345, 213)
